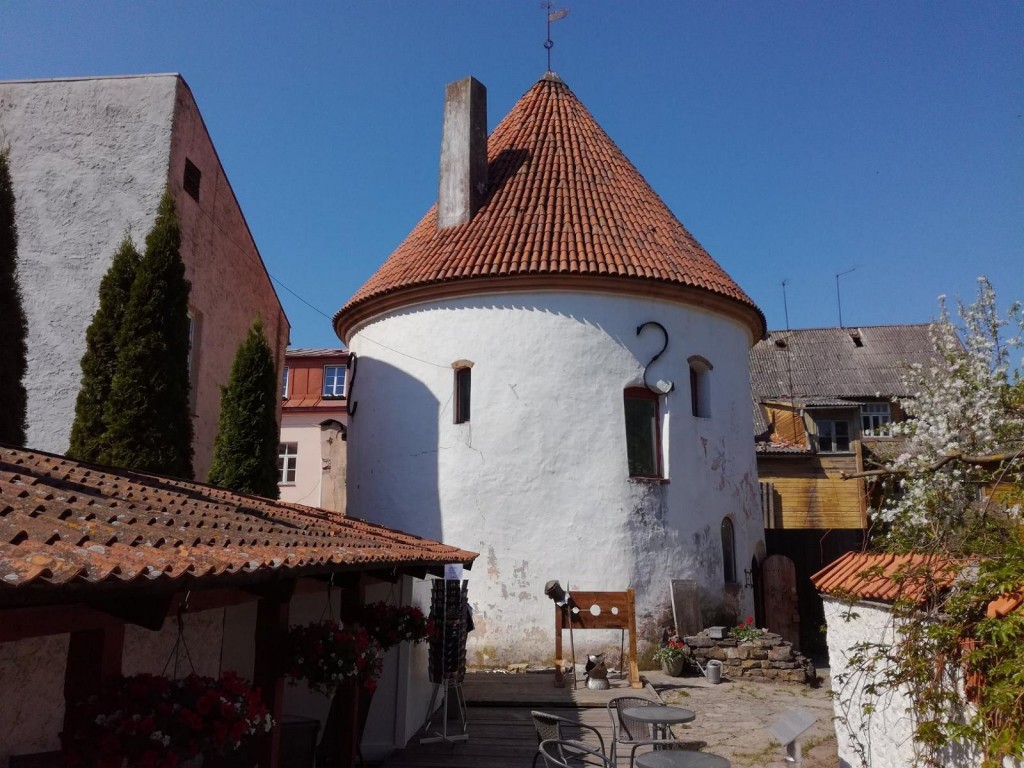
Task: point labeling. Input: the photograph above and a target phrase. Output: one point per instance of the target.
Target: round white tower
(553, 372)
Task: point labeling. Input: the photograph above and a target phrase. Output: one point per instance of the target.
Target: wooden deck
(501, 733)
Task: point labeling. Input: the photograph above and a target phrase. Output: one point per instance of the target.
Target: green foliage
(149, 426)
(955, 494)
(13, 325)
(245, 452)
(100, 358)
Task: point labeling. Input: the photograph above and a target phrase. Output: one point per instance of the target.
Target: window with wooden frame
(643, 433)
(833, 435)
(700, 386)
(876, 419)
(462, 395)
(728, 551)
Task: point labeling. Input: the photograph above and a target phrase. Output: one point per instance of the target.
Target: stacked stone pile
(768, 657)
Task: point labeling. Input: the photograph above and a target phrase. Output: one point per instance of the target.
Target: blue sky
(795, 140)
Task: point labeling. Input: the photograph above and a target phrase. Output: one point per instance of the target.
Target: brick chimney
(463, 179)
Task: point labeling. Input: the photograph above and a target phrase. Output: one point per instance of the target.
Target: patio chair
(558, 754)
(558, 729)
(627, 732)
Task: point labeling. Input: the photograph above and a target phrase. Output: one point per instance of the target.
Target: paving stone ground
(733, 718)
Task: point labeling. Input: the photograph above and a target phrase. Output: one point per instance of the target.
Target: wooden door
(778, 574)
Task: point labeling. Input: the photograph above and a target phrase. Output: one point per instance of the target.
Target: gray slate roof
(825, 363)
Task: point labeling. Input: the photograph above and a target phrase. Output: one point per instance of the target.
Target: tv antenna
(839, 299)
(552, 15)
(785, 304)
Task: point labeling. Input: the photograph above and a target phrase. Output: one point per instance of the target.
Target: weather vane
(552, 15)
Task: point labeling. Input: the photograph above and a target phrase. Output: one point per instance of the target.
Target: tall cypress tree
(245, 452)
(149, 426)
(100, 356)
(13, 326)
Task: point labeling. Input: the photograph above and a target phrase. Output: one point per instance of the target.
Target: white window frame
(332, 389)
(287, 463)
(876, 419)
(286, 382)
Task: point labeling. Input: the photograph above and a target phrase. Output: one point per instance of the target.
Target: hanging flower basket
(390, 625)
(151, 721)
(327, 653)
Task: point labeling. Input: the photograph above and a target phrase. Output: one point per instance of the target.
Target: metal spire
(552, 16)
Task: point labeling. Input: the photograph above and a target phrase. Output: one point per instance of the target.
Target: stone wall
(766, 658)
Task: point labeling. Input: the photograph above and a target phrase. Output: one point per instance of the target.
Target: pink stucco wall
(230, 285)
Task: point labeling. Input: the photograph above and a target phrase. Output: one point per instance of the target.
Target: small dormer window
(876, 419)
(193, 177)
(833, 436)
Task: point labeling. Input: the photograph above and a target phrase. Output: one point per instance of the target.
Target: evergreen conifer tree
(13, 325)
(149, 426)
(245, 452)
(100, 356)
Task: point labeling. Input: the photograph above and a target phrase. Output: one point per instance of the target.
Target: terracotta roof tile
(563, 200)
(64, 522)
(886, 577)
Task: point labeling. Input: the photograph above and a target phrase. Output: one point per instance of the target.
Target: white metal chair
(560, 729)
(569, 754)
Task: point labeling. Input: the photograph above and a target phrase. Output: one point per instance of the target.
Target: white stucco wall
(199, 650)
(883, 738)
(89, 160)
(32, 695)
(538, 481)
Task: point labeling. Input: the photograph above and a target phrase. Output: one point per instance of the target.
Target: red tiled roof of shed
(886, 577)
(63, 522)
(563, 202)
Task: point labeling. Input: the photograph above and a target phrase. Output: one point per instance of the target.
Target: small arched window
(728, 551)
(700, 386)
(463, 390)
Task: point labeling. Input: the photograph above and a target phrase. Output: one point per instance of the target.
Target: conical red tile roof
(566, 210)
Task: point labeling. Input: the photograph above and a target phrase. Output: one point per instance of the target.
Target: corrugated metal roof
(64, 522)
(315, 353)
(828, 363)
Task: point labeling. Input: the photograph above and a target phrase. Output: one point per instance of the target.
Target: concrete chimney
(463, 180)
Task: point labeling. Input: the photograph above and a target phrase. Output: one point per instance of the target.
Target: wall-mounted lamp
(554, 591)
(748, 578)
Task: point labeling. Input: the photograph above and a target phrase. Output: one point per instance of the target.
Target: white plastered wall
(537, 481)
(303, 429)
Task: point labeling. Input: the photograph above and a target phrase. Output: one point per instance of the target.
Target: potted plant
(672, 656)
(152, 721)
(746, 630)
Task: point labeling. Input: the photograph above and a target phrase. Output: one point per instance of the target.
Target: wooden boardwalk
(501, 732)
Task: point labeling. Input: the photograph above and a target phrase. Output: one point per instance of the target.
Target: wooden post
(634, 668)
(94, 656)
(268, 672)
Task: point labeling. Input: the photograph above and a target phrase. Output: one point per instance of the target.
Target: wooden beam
(94, 656)
(268, 672)
(23, 623)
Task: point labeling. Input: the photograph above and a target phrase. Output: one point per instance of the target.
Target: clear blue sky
(795, 140)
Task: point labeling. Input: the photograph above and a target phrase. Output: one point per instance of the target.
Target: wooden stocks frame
(617, 611)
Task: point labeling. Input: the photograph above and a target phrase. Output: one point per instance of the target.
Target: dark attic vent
(781, 343)
(858, 341)
(193, 176)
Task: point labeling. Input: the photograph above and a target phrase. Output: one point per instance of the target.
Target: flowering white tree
(955, 492)
(964, 430)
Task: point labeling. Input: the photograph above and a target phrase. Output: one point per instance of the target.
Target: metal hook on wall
(662, 387)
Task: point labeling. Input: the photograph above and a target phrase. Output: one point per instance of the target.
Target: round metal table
(660, 715)
(680, 758)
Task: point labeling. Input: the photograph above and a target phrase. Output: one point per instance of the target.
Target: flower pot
(673, 667)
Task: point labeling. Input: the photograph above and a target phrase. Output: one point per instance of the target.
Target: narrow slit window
(192, 179)
(728, 551)
(284, 383)
(643, 433)
(700, 387)
(463, 390)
